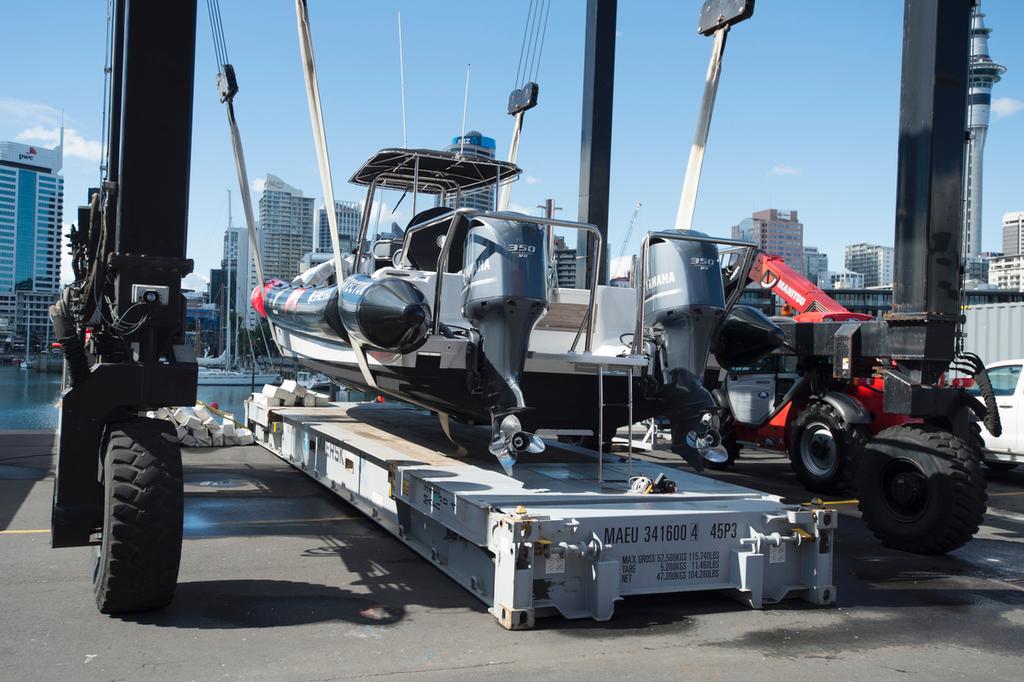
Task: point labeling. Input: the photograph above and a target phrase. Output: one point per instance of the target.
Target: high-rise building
(984, 74)
(239, 275)
(844, 279)
(565, 263)
(349, 216)
(1007, 272)
(976, 267)
(872, 261)
(779, 233)
(815, 263)
(1013, 233)
(31, 217)
(286, 228)
(474, 143)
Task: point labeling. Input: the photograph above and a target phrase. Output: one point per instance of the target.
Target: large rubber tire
(727, 429)
(921, 489)
(978, 442)
(824, 449)
(140, 546)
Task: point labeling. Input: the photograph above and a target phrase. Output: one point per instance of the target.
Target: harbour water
(28, 400)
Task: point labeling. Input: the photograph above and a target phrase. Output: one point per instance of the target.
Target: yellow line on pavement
(24, 532)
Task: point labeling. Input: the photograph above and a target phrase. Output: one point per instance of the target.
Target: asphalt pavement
(282, 580)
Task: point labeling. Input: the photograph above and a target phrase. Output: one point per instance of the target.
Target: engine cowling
(683, 304)
(506, 293)
(388, 314)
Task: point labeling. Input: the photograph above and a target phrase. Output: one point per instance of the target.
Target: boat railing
(739, 274)
(586, 325)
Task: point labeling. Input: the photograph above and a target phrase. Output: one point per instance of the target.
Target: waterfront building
(843, 279)
(239, 271)
(1013, 233)
(776, 232)
(349, 215)
(983, 75)
(286, 228)
(565, 263)
(474, 143)
(31, 219)
(871, 260)
(976, 267)
(815, 263)
(1007, 272)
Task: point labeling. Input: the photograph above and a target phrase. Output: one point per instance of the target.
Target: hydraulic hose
(991, 417)
(70, 343)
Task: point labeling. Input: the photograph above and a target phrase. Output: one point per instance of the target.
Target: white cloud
(258, 184)
(20, 112)
(520, 208)
(532, 180)
(1006, 106)
(195, 282)
(74, 144)
(784, 170)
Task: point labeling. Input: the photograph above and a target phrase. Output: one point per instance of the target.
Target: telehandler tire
(140, 546)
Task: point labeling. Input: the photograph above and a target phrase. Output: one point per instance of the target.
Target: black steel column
(929, 215)
(156, 127)
(596, 142)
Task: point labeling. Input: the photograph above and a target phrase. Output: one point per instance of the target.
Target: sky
(806, 117)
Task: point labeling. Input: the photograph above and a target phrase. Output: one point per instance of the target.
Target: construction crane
(629, 230)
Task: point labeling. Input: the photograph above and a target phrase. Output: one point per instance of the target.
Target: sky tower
(984, 74)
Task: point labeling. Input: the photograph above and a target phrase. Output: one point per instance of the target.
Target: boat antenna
(401, 73)
(465, 108)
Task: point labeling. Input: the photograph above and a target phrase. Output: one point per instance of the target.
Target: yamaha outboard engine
(684, 304)
(506, 293)
(389, 313)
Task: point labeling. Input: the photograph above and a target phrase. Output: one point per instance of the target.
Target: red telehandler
(792, 403)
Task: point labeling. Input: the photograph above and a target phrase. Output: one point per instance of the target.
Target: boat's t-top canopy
(432, 171)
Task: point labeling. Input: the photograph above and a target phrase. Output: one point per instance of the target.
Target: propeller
(510, 440)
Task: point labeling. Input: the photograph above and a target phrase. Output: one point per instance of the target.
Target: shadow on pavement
(266, 604)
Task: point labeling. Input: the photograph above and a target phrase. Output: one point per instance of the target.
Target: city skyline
(765, 156)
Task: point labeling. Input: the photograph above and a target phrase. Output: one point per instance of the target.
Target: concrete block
(319, 399)
(182, 414)
(293, 387)
(288, 400)
(193, 423)
(202, 413)
(266, 401)
(272, 391)
(228, 428)
(217, 438)
(188, 440)
(245, 437)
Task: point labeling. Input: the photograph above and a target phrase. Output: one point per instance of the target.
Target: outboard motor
(505, 294)
(684, 304)
(389, 313)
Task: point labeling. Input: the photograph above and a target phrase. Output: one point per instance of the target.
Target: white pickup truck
(1006, 451)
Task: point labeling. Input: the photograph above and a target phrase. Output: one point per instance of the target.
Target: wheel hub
(818, 450)
(905, 490)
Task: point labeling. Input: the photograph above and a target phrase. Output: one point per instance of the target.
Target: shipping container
(995, 331)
